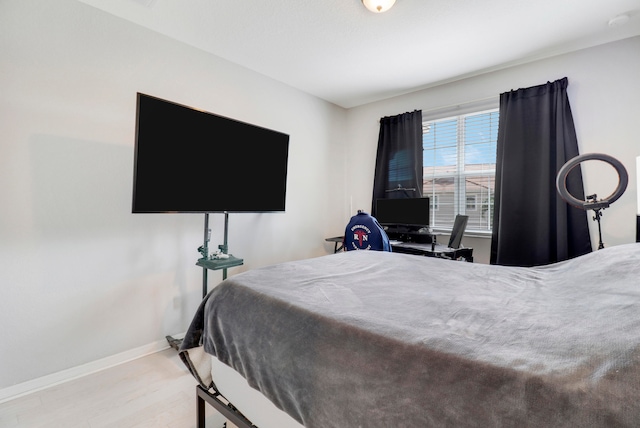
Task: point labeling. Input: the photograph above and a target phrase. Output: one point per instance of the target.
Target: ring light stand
(592, 202)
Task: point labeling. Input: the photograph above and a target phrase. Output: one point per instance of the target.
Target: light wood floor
(155, 391)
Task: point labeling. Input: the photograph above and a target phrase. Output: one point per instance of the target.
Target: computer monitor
(403, 212)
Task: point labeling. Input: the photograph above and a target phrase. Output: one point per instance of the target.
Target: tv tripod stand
(219, 260)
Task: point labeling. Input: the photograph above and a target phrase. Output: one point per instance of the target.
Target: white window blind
(459, 156)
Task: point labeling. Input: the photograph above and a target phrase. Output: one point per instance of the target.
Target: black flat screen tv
(191, 161)
(403, 212)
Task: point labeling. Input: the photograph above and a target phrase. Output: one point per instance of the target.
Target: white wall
(81, 277)
(604, 89)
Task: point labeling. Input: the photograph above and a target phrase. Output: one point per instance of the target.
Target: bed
(379, 339)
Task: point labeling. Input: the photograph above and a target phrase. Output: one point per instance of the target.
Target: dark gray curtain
(532, 225)
(399, 158)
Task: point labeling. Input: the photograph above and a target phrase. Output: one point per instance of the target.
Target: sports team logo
(360, 237)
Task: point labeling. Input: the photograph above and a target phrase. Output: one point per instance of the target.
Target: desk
(417, 249)
(440, 251)
(337, 240)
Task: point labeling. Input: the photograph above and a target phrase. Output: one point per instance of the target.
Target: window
(459, 156)
(472, 202)
(435, 206)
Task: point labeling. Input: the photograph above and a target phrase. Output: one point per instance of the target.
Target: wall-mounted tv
(403, 212)
(191, 161)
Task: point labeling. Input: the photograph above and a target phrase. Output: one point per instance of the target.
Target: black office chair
(459, 226)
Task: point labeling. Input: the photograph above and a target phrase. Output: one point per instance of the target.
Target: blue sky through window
(480, 133)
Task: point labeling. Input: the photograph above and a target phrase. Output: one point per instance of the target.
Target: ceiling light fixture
(378, 6)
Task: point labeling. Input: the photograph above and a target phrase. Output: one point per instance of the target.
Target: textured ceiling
(341, 52)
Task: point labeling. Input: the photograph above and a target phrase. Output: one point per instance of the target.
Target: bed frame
(222, 405)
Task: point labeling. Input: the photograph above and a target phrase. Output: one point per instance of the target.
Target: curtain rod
(459, 106)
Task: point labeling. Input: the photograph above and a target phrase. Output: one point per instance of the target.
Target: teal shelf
(216, 264)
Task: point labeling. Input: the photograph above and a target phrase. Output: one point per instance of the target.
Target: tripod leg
(597, 218)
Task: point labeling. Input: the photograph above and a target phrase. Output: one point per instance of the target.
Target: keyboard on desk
(422, 247)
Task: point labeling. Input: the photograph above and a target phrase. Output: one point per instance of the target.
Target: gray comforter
(375, 339)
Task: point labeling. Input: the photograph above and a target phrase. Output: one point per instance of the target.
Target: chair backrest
(459, 226)
(363, 232)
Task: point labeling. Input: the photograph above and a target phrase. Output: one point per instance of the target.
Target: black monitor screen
(188, 160)
(403, 212)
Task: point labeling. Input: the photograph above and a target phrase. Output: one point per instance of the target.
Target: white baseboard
(67, 375)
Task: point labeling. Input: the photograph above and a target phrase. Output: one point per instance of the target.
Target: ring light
(592, 202)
